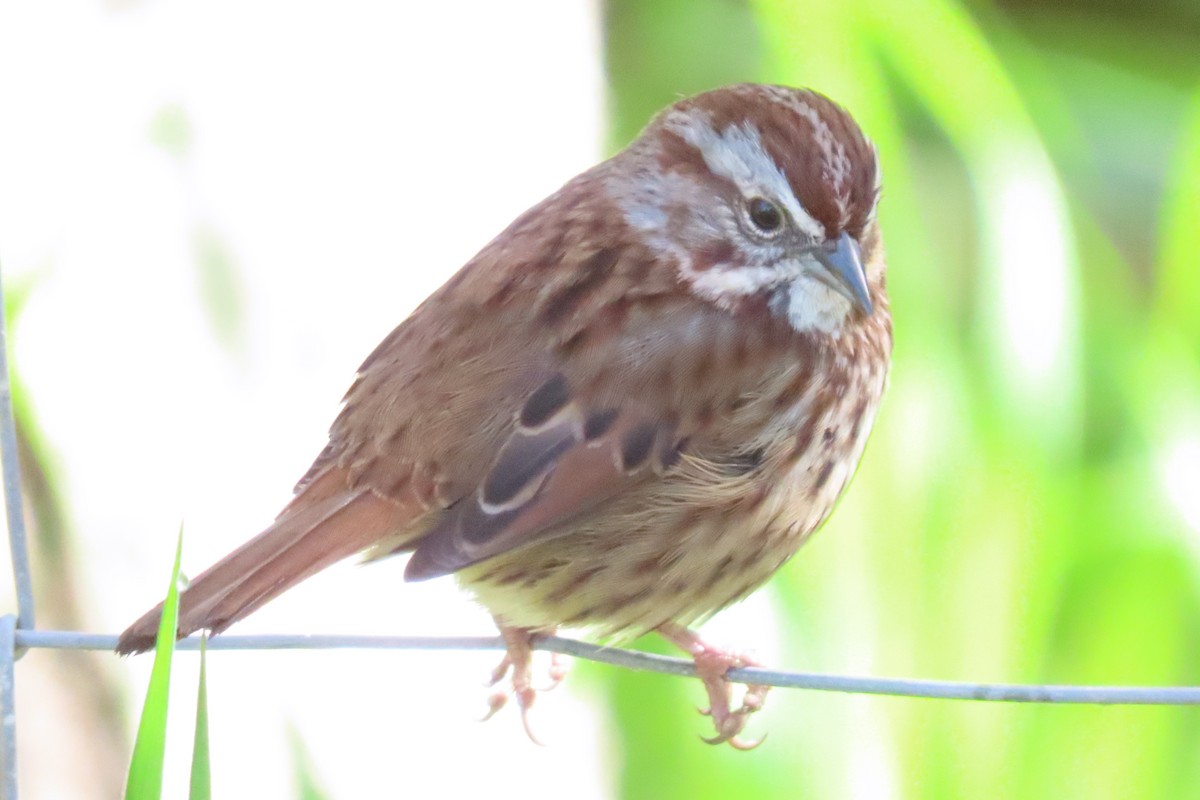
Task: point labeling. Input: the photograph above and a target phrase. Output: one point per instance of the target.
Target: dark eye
(765, 215)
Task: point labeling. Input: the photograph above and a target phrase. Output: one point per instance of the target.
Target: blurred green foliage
(1013, 519)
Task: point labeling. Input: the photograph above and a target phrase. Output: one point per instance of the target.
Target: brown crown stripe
(793, 141)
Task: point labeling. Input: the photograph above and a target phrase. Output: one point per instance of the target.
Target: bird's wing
(563, 457)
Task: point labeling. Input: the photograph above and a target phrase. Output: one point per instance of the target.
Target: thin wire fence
(633, 659)
(18, 632)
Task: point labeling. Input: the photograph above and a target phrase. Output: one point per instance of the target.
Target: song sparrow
(629, 409)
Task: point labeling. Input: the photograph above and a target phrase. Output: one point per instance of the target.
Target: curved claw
(528, 728)
(738, 744)
(712, 666)
(496, 702)
(517, 666)
(734, 741)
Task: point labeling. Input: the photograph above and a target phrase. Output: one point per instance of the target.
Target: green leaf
(308, 787)
(201, 783)
(146, 767)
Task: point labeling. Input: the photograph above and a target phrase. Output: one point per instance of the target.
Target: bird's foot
(518, 661)
(712, 664)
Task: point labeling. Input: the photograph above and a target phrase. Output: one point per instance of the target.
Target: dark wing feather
(545, 474)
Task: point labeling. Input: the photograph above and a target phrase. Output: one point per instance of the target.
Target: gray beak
(843, 261)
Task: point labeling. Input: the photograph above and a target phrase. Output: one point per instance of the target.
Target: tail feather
(353, 527)
(304, 540)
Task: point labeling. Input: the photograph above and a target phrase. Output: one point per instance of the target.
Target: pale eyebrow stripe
(737, 154)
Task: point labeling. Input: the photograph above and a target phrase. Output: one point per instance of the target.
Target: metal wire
(631, 659)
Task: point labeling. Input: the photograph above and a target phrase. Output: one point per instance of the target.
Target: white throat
(807, 302)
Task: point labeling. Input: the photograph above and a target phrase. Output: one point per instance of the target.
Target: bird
(628, 410)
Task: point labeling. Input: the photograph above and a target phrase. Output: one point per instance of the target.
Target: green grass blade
(308, 787)
(146, 767)
(201, 784)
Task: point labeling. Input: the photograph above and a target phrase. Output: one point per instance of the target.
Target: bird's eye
(765, 215)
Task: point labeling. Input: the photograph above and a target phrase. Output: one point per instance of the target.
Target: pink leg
(557, 672)
(711, 665)
(519, 661)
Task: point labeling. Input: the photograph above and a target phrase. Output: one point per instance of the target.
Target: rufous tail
(306, 538)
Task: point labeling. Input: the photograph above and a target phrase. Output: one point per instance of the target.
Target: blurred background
(209, 214)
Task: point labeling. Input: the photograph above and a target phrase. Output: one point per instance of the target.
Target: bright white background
(348, 157)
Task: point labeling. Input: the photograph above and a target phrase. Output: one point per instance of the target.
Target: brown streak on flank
(718, 571)
(762, 541)
(586, 575)
(794, 389)
(806, 434)
(582, 616)
(649, 566)
(762, 537)
(823, 476)
(489, 576)
(756, 498)
(691, 518)
(610, 544)
(859, 414)
(561, 593)
(636, 597)
(745, 589)
(516, 576)
(614, 606)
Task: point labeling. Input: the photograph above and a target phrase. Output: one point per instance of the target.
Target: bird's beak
(842, 261)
